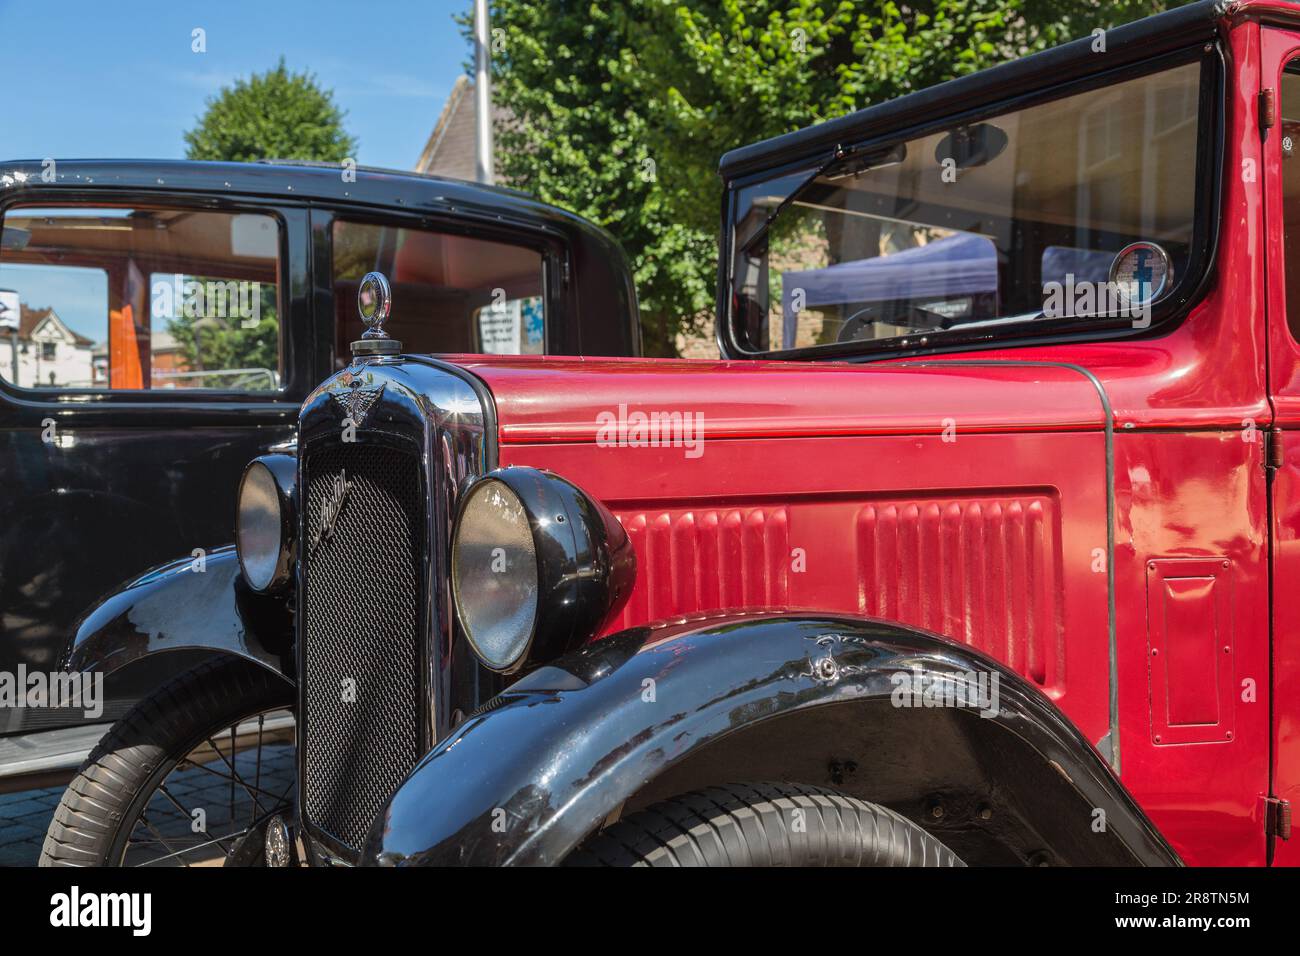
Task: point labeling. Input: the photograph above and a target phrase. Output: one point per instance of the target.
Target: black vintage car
(162, 322)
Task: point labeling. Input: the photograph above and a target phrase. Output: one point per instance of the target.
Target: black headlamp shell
(586, 567)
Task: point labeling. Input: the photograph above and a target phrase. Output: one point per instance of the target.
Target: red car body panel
(1278, 47)
(971, 500)
(783, 399)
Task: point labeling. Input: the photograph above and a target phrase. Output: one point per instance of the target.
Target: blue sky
(110, 80)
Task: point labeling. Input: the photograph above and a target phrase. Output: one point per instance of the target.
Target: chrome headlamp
(264, 524)
(538, 567)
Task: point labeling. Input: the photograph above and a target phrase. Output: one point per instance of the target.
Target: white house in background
(49, 353)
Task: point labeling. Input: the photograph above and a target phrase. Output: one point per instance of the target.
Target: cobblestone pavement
(24, 817)
(226, 806)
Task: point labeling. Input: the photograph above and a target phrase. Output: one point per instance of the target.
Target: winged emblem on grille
(357, 401)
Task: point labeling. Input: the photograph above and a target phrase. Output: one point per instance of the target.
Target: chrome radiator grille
(362, 635)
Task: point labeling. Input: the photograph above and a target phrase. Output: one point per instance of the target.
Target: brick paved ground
(25, 816)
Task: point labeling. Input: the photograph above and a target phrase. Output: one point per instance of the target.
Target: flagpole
(483, 166)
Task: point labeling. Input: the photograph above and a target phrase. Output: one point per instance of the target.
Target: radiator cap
(374, 301)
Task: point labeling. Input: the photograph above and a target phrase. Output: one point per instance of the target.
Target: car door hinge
(1272, 450)
(1267, 109)
(1277, 817)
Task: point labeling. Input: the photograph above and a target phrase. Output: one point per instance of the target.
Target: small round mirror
(374, 299)
(971, 146)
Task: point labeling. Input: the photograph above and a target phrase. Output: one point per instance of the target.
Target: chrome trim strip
(1108, 745)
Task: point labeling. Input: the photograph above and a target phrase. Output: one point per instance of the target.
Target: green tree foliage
(215, 339)
(276, 114)
(623, 107)
(271, 115)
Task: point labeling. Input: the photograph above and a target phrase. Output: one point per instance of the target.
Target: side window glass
(139, 298)
(450, 293)
(1079, 212)
(1290, 140)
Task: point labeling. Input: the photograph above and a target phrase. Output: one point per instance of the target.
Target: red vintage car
(975, 548)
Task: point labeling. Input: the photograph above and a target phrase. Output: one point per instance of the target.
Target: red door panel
(1280, 49)
(1286, 639)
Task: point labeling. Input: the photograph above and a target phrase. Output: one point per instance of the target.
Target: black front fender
(187, 604)
(656, 711)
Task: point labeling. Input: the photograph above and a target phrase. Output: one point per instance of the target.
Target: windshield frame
(1165, 313)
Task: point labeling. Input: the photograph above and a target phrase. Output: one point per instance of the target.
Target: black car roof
(606, 306)
(1125, 45)
(305, 181)
(390, 171)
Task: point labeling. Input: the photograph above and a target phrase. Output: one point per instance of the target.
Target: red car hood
(563, 399)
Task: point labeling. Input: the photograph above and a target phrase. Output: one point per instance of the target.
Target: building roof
(29, 319)
(450, 149)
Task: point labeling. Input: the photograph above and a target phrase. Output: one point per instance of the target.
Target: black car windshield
(1077, 212)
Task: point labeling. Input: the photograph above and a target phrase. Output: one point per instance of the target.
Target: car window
(1290, 124)
(129, 298)
(450, 293)
(1069, 215)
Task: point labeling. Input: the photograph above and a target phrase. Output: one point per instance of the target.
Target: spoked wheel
(192, 776)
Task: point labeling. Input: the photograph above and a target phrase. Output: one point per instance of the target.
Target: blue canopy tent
(1065, 264)
(962, 264)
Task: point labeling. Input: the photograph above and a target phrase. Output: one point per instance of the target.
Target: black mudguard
(177, 607)
(653, 712)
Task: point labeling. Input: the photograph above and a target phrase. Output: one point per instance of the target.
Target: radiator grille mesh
(362, 632)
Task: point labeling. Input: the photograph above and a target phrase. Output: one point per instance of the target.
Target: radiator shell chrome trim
(450, 417)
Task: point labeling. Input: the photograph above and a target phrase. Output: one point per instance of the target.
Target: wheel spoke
(229, 836)
(152, 829)
(188, 764)
(257, 780)
(234, 737)
(235, 778)
(189, 815)
(199, 846)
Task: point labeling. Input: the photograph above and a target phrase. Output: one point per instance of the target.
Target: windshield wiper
(842, 154)
(838, 156)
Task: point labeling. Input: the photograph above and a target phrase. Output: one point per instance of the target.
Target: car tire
(138, 752)
(761, 824)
